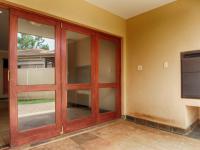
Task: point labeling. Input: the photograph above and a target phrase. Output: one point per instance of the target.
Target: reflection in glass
(78, 104)
(107, 100)
(36, 53)
(107, 61)
(36, 109)
(79, 57)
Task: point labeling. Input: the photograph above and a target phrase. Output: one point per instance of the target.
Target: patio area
(120, 135)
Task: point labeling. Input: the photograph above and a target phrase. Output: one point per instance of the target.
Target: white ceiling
(129, 8)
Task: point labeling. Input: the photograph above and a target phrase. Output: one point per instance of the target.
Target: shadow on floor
(195, 133)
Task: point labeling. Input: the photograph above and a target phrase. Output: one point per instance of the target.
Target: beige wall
(3, 54)
(154, 38)
(81, 12)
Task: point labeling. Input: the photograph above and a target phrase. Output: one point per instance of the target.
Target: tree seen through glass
(26, 41)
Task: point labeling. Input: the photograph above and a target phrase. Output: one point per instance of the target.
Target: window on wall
(190, 74)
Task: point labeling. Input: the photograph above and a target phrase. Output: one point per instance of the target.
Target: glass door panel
(36, 66)
(36, 109)
(108, 78)
(35, 78)
(107, 100)
(78, 104)
(107, 61)
(77, 78)
(36, 53)
(78, 58)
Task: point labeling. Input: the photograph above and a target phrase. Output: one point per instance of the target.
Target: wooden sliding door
(63, 77)
(35, 88)
(78, 78)
(108, 75)
(90, 77)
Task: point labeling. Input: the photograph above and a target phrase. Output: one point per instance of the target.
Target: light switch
(165, 65)
(139, 67)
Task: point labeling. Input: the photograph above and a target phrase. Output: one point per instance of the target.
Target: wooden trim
(63, 75)
(78, 86)
(3, 6)
(111, 38)
(107, 85)
(12, 83)
(119, 78)
(78, 29)
(35, 17)
(106, 117)
(36, 135)
(34, 88)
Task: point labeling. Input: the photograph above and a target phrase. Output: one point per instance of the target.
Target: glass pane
(107, 100)
(36, 109)
(107, 64)
(79, 57)
(78, 104)
(36, 53)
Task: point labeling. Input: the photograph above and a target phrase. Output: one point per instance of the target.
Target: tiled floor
(4, 138)
(195, 133)
(122, 135)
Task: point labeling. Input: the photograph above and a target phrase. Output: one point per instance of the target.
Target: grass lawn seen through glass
(34, 101)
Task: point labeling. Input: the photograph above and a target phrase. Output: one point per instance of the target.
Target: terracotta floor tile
(83, 138)
(66, 144)
(123, 135)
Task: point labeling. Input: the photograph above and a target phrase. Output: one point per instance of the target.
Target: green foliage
(26, 41)
(34, 101)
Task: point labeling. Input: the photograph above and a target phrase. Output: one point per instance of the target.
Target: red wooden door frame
(36, 134)
(102, 117)
(86, 121)
(19, 138)
(94, 85)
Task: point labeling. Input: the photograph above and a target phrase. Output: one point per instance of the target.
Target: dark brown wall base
(159, 126)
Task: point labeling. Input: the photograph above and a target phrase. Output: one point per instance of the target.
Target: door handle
(8, 75)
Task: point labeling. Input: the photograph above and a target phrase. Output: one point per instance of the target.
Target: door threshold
(68, 135)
